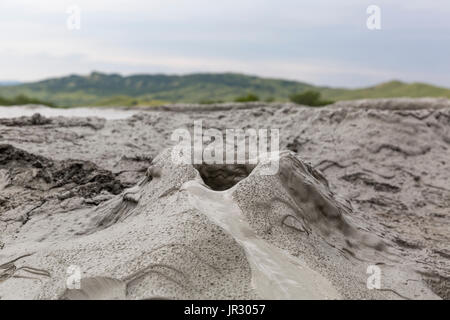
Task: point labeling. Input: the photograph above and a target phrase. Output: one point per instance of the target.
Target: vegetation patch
(309, 98)
(22, 99)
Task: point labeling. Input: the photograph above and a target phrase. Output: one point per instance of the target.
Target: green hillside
(98, 88)
(392, 89)
(113, 89)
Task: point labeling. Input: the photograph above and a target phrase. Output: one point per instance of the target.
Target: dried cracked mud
(360, 183)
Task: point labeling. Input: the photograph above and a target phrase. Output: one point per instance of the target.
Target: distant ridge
(9, 83)
(113, 89)
(391, 89)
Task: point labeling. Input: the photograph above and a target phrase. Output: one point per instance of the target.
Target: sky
(322, 42)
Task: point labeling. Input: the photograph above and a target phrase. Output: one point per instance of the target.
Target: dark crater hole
(222, 177)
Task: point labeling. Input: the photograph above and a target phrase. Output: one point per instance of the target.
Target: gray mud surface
(387, 161)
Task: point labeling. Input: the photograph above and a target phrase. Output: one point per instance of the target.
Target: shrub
(309, 98)
(247, 98)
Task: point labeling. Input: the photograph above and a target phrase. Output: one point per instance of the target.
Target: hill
(113, 89)
(392, 89)
(9, 83)
(106, 89)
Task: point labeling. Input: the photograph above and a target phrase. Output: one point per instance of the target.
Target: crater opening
(220, 177)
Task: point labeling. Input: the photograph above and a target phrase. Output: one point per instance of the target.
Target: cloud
(315, 71)
(320, 41)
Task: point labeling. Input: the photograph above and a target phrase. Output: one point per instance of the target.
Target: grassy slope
(390, 89)
(100, 88)
(112, 89)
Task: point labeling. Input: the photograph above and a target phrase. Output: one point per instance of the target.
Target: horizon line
(126, 75)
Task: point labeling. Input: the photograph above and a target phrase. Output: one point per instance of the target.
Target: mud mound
(39, 120)
(280, 236)
(32, 184)
(32, 172)
(366, 185)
